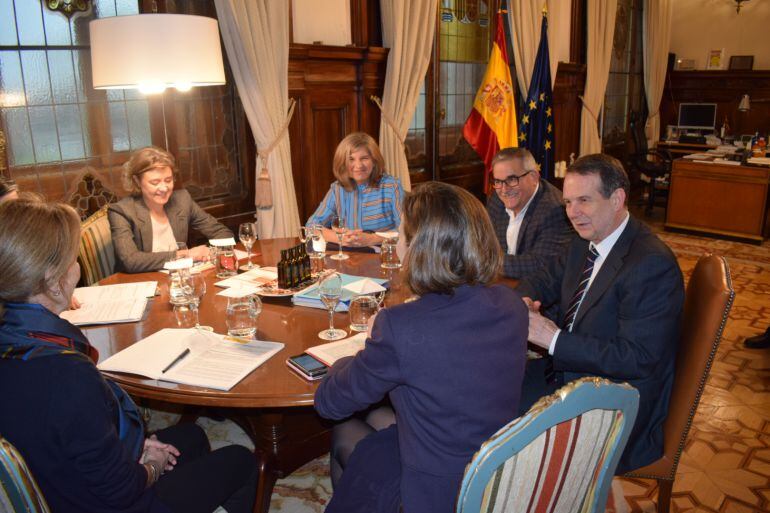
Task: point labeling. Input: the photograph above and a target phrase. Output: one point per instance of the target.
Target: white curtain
(657, 39)
(601, 30)
(256, 37)
(407, 29)
(524, 17)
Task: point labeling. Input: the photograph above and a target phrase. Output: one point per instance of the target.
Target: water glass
(177, 294)
(247, 233)
(242, 314)
(362, 308)
(184, 316)
(388, 254)
(226, 262)
(316, 247)
(338, 225)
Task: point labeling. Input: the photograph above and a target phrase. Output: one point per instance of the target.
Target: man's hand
(541, 330)
(359, 238)
(533, 306)
(156, 450)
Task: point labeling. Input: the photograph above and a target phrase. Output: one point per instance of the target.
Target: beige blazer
(132, 230)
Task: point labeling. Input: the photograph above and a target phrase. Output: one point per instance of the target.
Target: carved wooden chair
(560, 456)
(707, 303)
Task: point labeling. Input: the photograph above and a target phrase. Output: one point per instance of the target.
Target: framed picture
(742, 62)
(715, 59)
(685, 64)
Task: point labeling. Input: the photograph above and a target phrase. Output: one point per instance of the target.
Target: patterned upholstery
(559, 457)
(18, 489)
(96, 254)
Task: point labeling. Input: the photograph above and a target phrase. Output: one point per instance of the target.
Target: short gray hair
(522, 154)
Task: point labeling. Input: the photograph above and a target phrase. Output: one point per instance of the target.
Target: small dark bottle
(294, 267)
(306, 265)
(283, 271)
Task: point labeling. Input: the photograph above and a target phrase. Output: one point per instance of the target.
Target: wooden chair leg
(664, 495)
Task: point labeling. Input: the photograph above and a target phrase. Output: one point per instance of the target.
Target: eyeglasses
(511, 181)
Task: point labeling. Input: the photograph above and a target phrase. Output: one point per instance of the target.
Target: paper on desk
(333, 351)
(215, 361)
(254, 278)
(222, 242)
(241, 255)
(239, 291)
(106, 312)
(120, 291)
(364, 286)
(179, 263)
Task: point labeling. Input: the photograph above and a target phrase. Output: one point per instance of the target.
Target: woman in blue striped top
(368, 199)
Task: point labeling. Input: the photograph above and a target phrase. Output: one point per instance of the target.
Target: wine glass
(247, 233)
(330, 290)
(195, 287)
(338, 225)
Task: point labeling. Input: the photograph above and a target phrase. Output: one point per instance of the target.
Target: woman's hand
(199, 253)
(359, 238)
(162, 453)
(74, 303)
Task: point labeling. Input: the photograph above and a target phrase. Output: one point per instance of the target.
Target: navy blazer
(131, 229)
(627, 327)
(452, 366)
(543, 235)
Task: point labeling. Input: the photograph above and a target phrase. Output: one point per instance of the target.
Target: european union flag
(536, 127)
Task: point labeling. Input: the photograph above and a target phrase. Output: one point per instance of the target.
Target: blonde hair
(38, 243)
(348, 145)
(144, 160)
(450, 240)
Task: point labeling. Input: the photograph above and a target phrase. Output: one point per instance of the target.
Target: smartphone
(307, 366)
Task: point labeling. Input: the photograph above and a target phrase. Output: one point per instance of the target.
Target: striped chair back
(560, 457)
(18, 489)
(96, 254)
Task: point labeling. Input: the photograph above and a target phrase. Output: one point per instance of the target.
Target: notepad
(333, 351)
(107, 312)
(215, 361)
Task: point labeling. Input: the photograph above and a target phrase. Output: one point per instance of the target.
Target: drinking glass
(388, 255)
(362, 308)
(330, 290)
(316, 247)
(338, 225)
(184, 316)
(177, 295)
(242, 314)
(195, 287)
(226, 261)
(247, 233)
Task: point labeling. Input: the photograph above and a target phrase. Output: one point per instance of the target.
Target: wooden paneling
(570, 83)
(717, 198)
(724, 88)
(332, 86)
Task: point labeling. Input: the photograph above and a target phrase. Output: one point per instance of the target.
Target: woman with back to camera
(452, 362)
(366, 197)
(80, 433)
(147, 225)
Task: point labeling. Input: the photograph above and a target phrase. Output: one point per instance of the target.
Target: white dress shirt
(603, 248)
(514, 224)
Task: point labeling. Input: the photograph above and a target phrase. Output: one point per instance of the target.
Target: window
(625, 85)
(56, 125)
(436, 148)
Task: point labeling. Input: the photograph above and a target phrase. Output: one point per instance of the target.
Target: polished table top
(270, 385)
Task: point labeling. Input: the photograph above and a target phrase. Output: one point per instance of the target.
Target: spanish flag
(491, 124)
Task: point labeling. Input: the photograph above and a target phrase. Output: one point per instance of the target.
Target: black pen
(176, 360)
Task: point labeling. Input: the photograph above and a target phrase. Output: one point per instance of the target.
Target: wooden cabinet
(718, 198)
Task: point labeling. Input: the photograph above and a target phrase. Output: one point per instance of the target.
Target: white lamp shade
(154, 51)
(745, 103)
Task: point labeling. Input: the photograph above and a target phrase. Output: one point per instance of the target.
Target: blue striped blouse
(365, 207)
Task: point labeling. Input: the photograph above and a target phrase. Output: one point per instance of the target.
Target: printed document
(333, 351)
(106, 311)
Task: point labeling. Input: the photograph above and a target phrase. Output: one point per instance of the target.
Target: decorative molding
(68, 7)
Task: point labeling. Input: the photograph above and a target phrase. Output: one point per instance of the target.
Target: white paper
(215, 361)
(238, 291)
(241, 255)
(333, 351)
(222, 242)
(253, 278)
(179, 263)
(107, 312)
(364, 286)
(121, 291)
(387, 235)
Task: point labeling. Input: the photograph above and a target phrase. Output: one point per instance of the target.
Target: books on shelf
(213, 360)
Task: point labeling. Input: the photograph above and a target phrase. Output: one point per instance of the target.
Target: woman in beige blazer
(147, 225)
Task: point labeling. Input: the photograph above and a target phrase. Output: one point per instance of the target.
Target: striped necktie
(582, 288)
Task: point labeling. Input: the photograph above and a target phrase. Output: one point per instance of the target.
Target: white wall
(327, 21)
(702, 25)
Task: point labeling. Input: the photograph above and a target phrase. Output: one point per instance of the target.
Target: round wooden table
(272, 404)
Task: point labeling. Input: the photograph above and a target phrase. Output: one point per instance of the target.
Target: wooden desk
(678, 150)
(272, 404)
(719, 199)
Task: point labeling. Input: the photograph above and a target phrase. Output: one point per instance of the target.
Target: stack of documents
(107, 304)
(251, 280)
(192, 357)
(311, 296)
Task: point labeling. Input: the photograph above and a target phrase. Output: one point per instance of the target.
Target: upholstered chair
(707, 303)
(19, 492)
(559, 457)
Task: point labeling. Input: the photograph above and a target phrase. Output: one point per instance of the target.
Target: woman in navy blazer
(452, 362)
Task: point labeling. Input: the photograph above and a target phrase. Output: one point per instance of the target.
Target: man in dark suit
(526, 212)
(619, 292)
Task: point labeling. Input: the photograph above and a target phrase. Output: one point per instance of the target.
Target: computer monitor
(697, 116)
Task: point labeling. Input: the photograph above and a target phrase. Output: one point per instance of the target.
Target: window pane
(7, 24)
(57, 28)
(119, 127)
(19, 137)
(29, 19)
(11, 84)
(36, 84)
(70, 132)
(138, 124)
(44, 137)
(65, 90)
